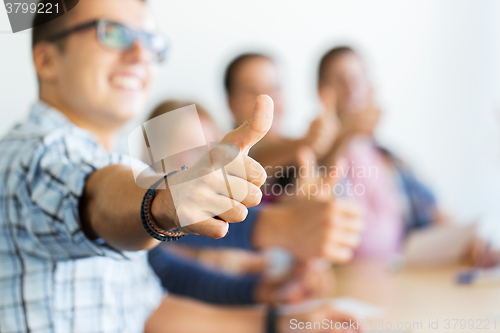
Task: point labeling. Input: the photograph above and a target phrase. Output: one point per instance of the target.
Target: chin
(120, 115)
(126, 110)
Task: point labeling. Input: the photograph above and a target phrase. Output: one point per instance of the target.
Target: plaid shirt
(53, 278)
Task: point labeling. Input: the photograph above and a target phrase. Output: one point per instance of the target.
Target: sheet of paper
(354, 307)
(438, 245)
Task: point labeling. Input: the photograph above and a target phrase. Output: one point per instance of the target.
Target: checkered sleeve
(50, 225)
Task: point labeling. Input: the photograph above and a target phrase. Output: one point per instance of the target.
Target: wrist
(269, 228)
(163, 210)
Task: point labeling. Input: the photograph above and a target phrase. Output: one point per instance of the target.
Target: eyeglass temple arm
(66, 33)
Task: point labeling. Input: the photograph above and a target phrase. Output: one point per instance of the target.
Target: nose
(138, 53)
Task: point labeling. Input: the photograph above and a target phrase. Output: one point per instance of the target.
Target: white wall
(436, 65)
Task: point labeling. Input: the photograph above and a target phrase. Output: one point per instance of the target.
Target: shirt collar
(51, 119)
(48, 117)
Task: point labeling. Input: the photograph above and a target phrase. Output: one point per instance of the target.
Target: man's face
(254, 77)
(347, 75)
(103, 86)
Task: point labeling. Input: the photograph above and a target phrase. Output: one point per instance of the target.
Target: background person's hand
(480, 254)
(322, 133)
(311, 225)
(315, 228)
(312, 279)
(337, 321)
(203, 202)
(324, 130)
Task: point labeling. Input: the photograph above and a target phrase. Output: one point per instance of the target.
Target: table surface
(418, 297)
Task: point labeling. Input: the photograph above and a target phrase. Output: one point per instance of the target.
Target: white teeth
(127, 82)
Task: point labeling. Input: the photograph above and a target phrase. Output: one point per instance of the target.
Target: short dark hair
(235, 64)
(329, 57)
(55, 22)
(41, 31)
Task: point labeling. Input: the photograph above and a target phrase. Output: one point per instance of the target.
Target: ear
(45, 58)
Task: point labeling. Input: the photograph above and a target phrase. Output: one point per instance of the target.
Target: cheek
(87, 78)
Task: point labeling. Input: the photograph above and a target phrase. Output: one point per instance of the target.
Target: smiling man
(72, 226)
(70, 213)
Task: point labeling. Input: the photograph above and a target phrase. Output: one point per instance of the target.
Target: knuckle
(261, 176)
(241, 213)
(219, 231)
(254, 196)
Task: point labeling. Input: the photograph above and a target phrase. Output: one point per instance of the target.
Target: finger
(339, 254)
(211, 228)
(236, 214)
(254, 129)
(292, 291)
(225, 156)
(242, 191)
(346, 239)
(349, 224)
(248, 169)
(348, 208)
(306, 162)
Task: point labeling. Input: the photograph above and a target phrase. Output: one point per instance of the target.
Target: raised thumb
(254, 129)
(306, 164)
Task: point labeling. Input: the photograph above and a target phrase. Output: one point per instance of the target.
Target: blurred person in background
(251, 74)
(395, 200)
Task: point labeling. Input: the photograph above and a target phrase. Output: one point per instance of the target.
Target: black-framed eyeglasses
(119, 37)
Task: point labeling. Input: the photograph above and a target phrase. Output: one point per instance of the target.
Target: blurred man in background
(251, 74)
(396, 202)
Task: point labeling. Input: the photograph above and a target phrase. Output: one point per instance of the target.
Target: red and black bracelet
(147, 219)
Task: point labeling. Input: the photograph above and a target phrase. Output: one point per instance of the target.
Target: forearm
(189, 279)
(110, 209)
(182, 315)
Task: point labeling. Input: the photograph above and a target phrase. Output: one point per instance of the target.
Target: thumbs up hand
(310, 182)
(220, 187)
(254, 129)
(324, 130)
(312, 223)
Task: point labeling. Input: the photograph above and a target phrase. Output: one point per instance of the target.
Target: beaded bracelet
(147, 219)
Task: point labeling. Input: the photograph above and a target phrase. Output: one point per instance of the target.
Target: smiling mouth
(127, 82)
